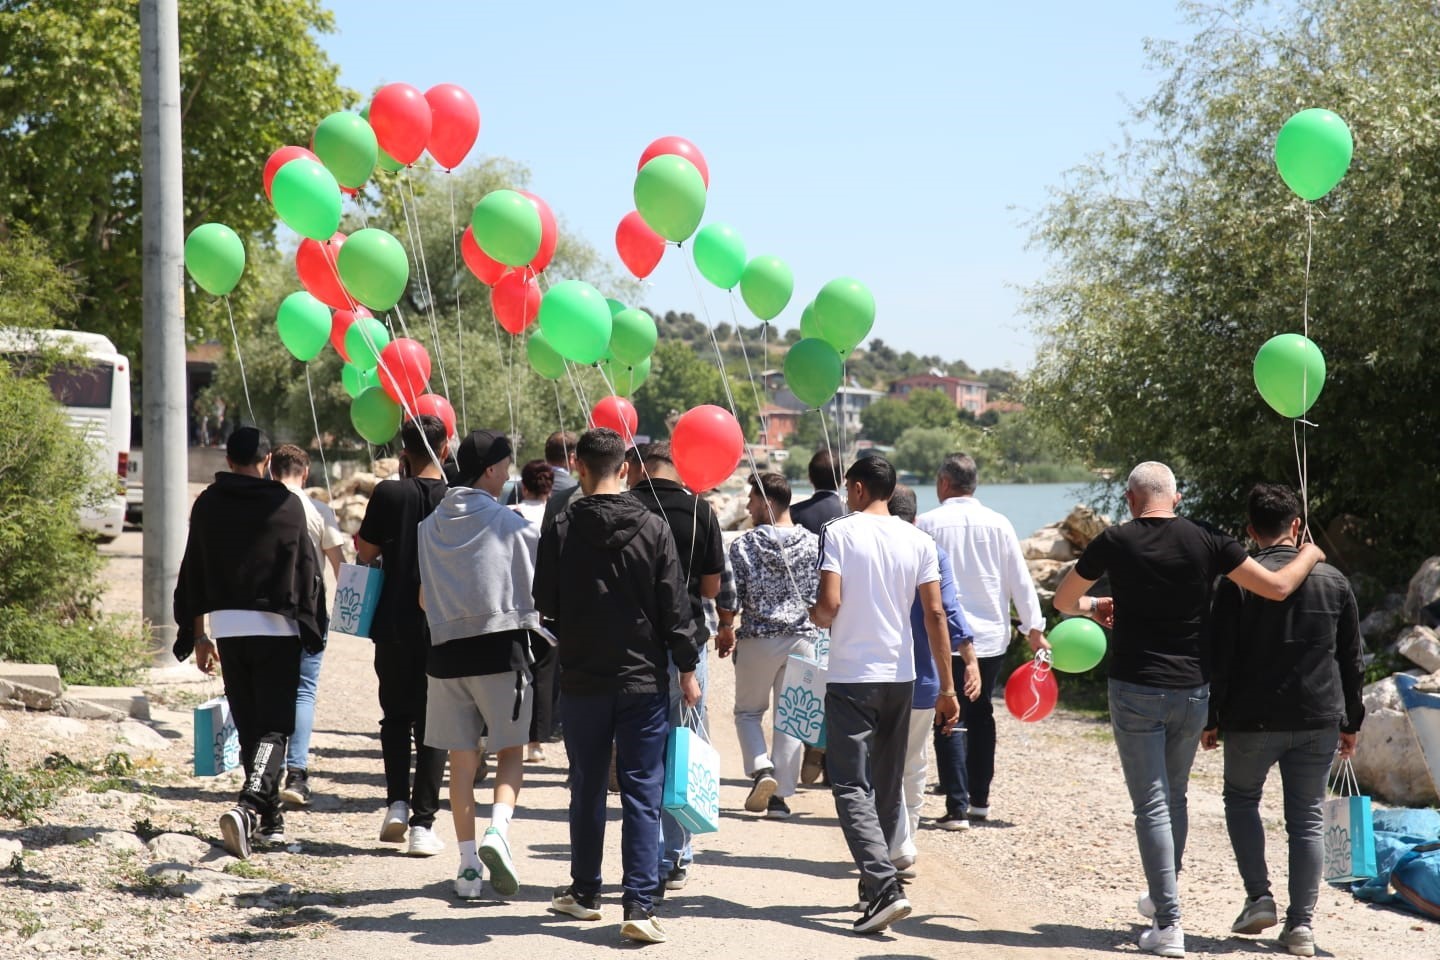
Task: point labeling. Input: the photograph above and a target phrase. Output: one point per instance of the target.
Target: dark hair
(903, 503)
(601, 450)
(537, 478)
(247, 446)
(822, 470)
(960, 470)
(1272, 507)
(288, 460)
(558, 447)
(658, 452)
(422, 430)
(874, 474)
(773, 487)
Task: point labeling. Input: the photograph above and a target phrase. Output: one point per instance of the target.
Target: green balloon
(304, 325)
(376, 417)
(720, 254)
(813, 371)
(357, 381)
(845, 312)
(632, 336)
(383, 160)
(364, 341)
(670, 195)
(766, 287)
(543, 358)
(576, 321)
(374, 268)
(307, 198)
(215, 258)
(1313, 152)
(346, 145)
(615, 305)
(1289, 373)
(1076, 645)
(625, 379)
(507, 227)
(809, 327)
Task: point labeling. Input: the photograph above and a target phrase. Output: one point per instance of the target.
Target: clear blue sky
(903, 144)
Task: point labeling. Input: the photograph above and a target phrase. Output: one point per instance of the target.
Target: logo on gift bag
(348, 604)
(803, 711)
(704, 792)
(227, 744)
(1337, 851)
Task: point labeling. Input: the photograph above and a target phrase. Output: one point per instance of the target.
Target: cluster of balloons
(831, 326)
(1076, 645)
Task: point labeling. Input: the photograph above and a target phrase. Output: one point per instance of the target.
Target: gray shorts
(459, 709)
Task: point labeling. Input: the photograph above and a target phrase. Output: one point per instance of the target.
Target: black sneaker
(567, 901)
(642, 925)
(677, 878)
(761, 790)
(296, 791)
(236, 826)
(777, 809)
(884, 910)
(953, 822)
(271, 831)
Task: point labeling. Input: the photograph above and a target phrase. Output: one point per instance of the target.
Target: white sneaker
(495, 854)
(1163, 941)
(535, 753)
(396, 822)
(469, 883)
(1146, 906)
(424, 843)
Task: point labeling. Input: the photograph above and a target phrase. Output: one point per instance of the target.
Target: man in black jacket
(1286, 689)
(609, 577)
(250, 565)
(825, 503)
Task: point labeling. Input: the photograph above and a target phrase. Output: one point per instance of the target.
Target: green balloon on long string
(632, 336)
(670, 196)
(719, 254)
(576, 321)
(215, 258)
(374, 268)
(1290, 373)
(364, 340)
(766, 286)
(844, 312)
(1313, 152)
(625, 379)
(813, 371)
(809, 326)
(303, 323)
(346, 145)
(543, 358)
(374, 415)
(307, 198)
(356, 381)
(507, 227)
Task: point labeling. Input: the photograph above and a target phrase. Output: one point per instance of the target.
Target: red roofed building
(969, 395)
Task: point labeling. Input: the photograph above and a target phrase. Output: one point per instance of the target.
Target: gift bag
(800, 712)
(217, 744)
(1349, 829)
(357, 591)
(692, 781)
(822, 649)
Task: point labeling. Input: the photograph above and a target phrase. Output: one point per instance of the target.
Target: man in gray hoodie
(477, 562)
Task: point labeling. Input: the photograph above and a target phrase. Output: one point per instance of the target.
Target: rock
(1082, 525)
(216, 859)
(386, 467)
(1047, 574)
(60, 728)
(730, 510)
(351, 515)
(179, 848)
(130, 701)
(141, 736)
(1047, 544)
(9, 850)
(318, 493)
(80, 834)
(205, 884)
(43, 675)
(362, 483)
(1424, 589)
(1421, 646)
(1388, 761)
(1380, 624)
(119, 841)
(31, 697)
(68, 706)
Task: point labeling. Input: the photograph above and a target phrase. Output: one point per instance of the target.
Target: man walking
(871, 566)
(1161, 569)
(1286, 690)
(477, 563)
(609, 576)
(990, 575)
(250, 565)
(824, 504)
(560, 457)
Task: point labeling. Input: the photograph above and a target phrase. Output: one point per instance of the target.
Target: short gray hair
(960, 470)
(903, 503)
(1151, 479)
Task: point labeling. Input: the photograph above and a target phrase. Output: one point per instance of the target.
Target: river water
(1029, 506)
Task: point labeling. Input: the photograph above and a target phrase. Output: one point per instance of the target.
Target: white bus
(94, 389)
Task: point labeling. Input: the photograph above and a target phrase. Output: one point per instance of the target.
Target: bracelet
(948, 693)
(205, 638)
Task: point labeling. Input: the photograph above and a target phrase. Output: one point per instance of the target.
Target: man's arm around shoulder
(1277, 584)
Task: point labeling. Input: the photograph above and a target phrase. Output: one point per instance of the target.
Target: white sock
(500, 815)
(467, 854)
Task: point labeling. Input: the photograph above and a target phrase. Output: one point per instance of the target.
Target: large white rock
(9, 850)
(1424, 589)
(1421, 646)
(43, 675)
(120, 842)
(1047, 544)
(1083, 525)
(362, 483)
(141, 736)
(206, 884)
(1388, 761)
(27, 695)
(59, 728)
(179, 848)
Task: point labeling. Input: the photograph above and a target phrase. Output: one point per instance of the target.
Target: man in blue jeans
(1286, 691)
(1161, 569)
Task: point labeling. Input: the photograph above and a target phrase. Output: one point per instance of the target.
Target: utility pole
(163, 342)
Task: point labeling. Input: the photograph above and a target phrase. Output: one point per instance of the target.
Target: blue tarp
(1407, 855)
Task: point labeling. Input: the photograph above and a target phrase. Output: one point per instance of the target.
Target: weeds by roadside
(25, 794)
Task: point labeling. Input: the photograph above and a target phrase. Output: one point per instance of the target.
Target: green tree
(1178, 256)
(682, 377)
(888, 417)
(922, 449)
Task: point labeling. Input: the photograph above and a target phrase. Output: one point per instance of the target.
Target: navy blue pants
(638, 724)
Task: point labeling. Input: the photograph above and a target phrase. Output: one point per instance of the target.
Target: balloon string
(319, 441)
(418, 242)
(240, 359)
(749, 371)
(504, 374)
(459, 327)
(407, 413)
(1302, 439)
(510, 375)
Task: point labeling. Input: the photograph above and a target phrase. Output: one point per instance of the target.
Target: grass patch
(24, 794)
(248, 870)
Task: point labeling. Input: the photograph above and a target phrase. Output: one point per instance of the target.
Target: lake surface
(1029, 506)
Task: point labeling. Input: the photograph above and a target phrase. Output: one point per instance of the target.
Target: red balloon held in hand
(316, 265)
(436, 406)
(454, 124)
(404, 371)
(706, 446)
(278, 159)
(618, 414)
(515, 301)
(340, 322)
(680, 147)
(400, 117)
(640, 248)
(486, 269)
(1031, 692)
(549, 232)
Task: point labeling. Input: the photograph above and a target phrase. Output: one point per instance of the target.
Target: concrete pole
(167, 504)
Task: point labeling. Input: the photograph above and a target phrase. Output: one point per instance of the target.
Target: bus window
(75, 386)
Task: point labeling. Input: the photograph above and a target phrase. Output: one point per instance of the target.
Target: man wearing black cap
(250, 565)
(477, 563)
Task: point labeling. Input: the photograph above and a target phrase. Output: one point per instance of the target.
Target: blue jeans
(1156, 732)
(297, 754)
(1304, 757)
(950, 765)
(636, 724)
(675, 848)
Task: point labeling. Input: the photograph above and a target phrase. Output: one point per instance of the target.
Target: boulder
(1421, 646)
(1379, 624)
(730, 510)
(68, 706)
(1424, 589)
(141, 737)
(1082, 525)
(60, 728)
(351, 513)
(386, 467)
(321, 494)
(26, 695)
(179, 848)
(1388, 761)
(43, 675)
(205, 884)
(130, 701)
(9, 850)
(1047, 544)
(362, 483)
(120, 841)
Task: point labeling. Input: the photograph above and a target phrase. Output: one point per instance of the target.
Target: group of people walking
(589, 602)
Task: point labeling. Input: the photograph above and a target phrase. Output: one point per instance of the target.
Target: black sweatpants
(262, 677)
(400, 667)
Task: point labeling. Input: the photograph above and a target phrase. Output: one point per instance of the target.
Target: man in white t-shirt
(990, 575)
(871, 567)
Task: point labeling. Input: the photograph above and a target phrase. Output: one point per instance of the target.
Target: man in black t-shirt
(1162, 572)
(402, 637)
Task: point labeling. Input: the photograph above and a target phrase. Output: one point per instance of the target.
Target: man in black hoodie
(609, 577)
(250, 565)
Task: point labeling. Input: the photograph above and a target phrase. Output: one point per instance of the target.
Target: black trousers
(262, 677)
(979, 718)
(546, 687)
(400, 668)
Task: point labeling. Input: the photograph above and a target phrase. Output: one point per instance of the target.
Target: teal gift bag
(217, 743)
(800, 711)
(692, 781)
(357, 592)
(1349, 829)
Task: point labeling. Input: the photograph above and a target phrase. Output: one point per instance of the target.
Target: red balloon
(436, 406)
(515, 300)
(455, 123)
(486, 270)
(315, 262)
(1031, 692)
(340, 322)
(618, 414)
(278, 159)
(680, 147)
(640, 248)
(400, 116)
(707, 444)
(404, 371)
(549, 233)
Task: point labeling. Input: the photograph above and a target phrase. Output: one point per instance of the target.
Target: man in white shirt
(990, 574)
(871, 567)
